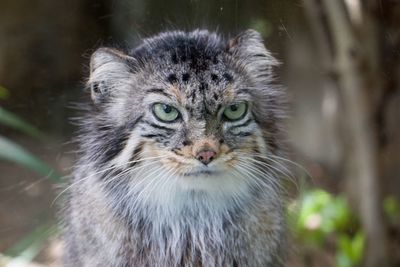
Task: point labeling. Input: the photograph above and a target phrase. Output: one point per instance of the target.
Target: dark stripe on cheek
(115, 140)
(243, 134)
(130, 126)
(136, 154)
(246, 123)
(170, 130)
(153, 135)
(109, 174)
(114, 147)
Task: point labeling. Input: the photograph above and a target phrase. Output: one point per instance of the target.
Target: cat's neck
(193, 225)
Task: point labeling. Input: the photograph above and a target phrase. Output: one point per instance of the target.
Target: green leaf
(12, 120)
(342, 260)
(344, 245)
(30, 246)
(358, 244)
(15, 153)
(350, 249)
(3, 93)
(391, 206)
(342, 216)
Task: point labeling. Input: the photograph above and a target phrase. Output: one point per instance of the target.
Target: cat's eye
(165, 113)
(235, 111)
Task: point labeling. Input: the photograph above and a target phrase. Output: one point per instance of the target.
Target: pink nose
(205, 156)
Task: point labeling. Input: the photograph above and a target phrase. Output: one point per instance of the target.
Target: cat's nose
(206, 156)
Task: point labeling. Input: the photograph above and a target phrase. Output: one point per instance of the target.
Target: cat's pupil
(167, 109)
(234, 107)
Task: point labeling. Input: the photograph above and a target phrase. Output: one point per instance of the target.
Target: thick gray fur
(124, 208)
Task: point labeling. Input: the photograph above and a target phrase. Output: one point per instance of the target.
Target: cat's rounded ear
(248, 48)
(109, 70)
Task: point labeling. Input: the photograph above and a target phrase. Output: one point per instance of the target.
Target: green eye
(165, 112)
(236, 111)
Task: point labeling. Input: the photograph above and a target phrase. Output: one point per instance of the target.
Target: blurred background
(341, 68)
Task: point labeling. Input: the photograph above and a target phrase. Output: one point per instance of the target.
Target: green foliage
(3, 93)
(30, 246)
(13, 152)
(391, 206)
(321, 216)
(13, 121)
(350, 249)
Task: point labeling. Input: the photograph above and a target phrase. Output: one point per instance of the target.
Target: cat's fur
(138, 196)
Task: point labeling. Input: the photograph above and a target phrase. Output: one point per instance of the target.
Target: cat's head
(191, 104)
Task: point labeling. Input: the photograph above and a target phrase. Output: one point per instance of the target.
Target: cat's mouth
(202, 172)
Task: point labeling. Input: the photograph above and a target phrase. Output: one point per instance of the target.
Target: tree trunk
(354, 65)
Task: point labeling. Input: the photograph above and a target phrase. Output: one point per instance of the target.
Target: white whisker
(99, 172)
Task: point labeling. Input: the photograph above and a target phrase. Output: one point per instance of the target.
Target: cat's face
(202, 130)
(196, 107)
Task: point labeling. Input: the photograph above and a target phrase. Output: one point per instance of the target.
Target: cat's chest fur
(195, 237)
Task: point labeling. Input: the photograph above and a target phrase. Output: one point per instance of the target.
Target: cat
(180, 156)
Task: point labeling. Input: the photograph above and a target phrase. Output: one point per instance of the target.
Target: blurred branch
(318, 24)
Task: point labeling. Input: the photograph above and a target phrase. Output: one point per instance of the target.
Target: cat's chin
(211, 180)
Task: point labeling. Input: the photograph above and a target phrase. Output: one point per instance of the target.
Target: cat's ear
(248, 48)
(110, 69)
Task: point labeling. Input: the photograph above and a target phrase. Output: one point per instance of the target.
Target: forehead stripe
(228, 77)
(172, 78)
(185, 77)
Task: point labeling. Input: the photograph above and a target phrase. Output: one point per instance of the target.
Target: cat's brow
(159, 91)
